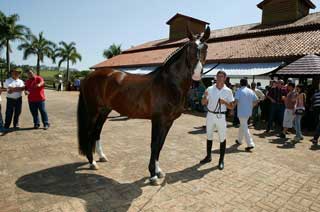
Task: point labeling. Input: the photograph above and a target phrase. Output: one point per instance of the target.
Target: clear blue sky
(96, 24)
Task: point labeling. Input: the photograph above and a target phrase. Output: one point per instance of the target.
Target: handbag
(299, 111)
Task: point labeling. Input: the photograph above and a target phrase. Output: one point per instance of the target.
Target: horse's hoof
(161, 175)
(154, 181)
(94, 166)
(103, 159)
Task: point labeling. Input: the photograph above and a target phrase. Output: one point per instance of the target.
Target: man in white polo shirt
(218, 98)
(15, 87)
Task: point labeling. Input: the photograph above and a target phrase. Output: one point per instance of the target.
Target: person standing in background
(316, 108)
(36, 98)
(255, 112)
(77, 84)
(300, 109)
(14, 87)
(1, 119)
(290, 102)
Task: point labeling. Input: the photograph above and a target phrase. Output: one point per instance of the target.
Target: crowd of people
(33, 87)
(278, 108)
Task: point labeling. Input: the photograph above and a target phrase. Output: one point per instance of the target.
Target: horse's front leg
(160, 129)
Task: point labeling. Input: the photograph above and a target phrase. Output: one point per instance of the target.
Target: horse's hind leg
(93, 164)
(99, 125)
(102, 156)
(102, 117)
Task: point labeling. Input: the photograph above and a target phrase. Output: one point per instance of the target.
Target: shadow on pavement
(198, 130)
(118, 118)
(278, 141)
(287, 145)
(232, 149)
(100, 193)
(187, 175)
(266, 134)
(314, 147)
(10, 130)
(66, 181)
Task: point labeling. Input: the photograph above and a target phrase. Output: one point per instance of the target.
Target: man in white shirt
(218, 98)
(255, 111)
(15, 87)
(246, 99)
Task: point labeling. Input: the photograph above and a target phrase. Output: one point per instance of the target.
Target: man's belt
(224, 112)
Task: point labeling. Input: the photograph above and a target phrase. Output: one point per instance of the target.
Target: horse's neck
(181, 76)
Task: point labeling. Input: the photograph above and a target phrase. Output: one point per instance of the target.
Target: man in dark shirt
(316, 108)
(277, 107)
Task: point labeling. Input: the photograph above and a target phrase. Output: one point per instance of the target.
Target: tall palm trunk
(38, 66)
(8, 58)
(68, 70)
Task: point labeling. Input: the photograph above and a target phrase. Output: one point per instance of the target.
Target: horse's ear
(206, 35)
(190, 34)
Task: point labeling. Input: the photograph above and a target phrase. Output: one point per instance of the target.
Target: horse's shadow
(66, 180)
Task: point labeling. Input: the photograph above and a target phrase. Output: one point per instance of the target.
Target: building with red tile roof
(286, 33)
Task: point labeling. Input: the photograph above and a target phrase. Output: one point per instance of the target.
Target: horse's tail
(86, 145)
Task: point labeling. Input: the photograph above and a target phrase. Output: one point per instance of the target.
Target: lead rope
(219, 115)
(218, 106)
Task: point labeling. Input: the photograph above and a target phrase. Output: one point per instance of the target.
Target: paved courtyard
(42, 170)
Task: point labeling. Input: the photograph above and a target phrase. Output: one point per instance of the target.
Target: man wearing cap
(14, 87)
(246, 99)
(36, 99)
(217, 98)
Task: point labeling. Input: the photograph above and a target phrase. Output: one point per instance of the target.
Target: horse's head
(197, 52)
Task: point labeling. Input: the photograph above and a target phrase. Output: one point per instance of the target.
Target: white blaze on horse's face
(198, 69)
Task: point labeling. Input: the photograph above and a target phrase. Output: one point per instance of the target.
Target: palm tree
(38, 46)
(112, 51)
(11, 31)
(66, 53)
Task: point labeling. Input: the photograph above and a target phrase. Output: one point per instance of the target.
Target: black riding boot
(222, 152)
(208, 158)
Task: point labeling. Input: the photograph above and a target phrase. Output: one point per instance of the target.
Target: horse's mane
(171, 58)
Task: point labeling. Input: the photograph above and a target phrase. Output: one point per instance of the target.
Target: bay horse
(159, 96)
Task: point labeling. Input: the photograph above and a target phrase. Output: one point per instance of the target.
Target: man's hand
(206, 94)
(229, 105)
(204, 100)
(222, 101)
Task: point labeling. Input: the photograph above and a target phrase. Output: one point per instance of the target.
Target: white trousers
(244, 131)
(216, 121)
